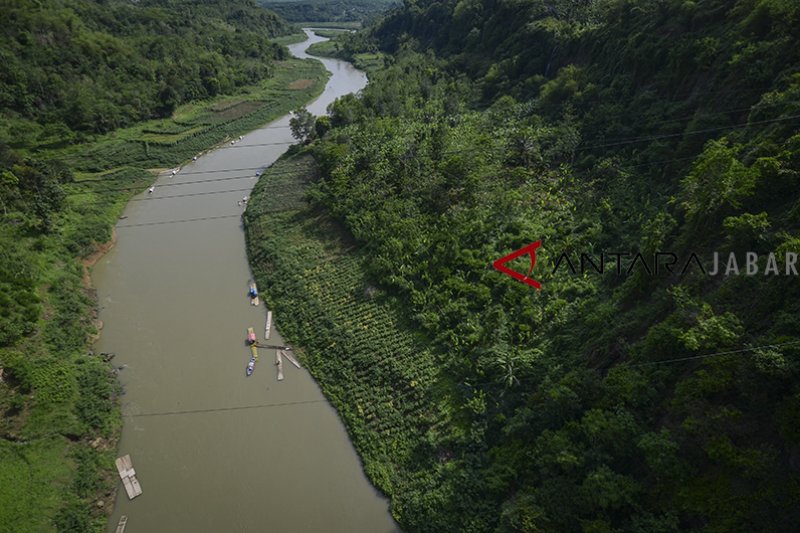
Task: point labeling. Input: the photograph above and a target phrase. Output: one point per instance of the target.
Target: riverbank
(61, 413)
(354, 338)
(335, 48)
(214, 449)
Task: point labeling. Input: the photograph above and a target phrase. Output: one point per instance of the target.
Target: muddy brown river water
(216, 451)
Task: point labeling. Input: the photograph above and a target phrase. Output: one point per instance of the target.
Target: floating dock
(123, 521)
(291, 358)
(268, 326)
(272, 346)
(279, 364)
(128, 476)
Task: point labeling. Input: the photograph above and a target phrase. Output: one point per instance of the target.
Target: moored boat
(253, 292)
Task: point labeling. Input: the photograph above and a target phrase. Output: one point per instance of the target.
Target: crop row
(374, 370)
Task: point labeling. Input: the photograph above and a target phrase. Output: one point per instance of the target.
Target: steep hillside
(631, 400)
(77, 66)
(328, 10)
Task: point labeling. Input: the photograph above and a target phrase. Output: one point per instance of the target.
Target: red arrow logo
(500, 264)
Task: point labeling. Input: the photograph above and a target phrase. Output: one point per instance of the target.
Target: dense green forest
(92, 95)
(329, 10)
(83, 66)
(613, 402)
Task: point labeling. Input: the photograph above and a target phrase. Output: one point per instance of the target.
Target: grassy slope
(293, 38)
(346, 25)
(59, 424)
(197, 126)
(34, 471)
(330, 33)
(364, 61)
(352, 336)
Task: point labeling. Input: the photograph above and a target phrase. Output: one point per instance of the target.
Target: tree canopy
(603, 402)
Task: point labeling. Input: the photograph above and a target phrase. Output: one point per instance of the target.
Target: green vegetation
(330, 25)
(602, 402)
(93, 67)
(197, 126)
(334, 11)
(372, 369)
(293, 38)
(356, 48)
(329, 33)
(37, 472)
(63, 184)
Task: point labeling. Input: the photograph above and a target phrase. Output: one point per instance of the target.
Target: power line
(277, 173)
(717, 354)
(279, 194)
(120, 189)
(287, 170)
(188, 194)
(177, 221)
(180, 173)
(669, 121)
(209, 193)
(615, 142)
(191, 172)
(618, 143)
(219, 409)
(281, 171)
(254, 144)
(274, 194)
(190, 219)
(690, 132)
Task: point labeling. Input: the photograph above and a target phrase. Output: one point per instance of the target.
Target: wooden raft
(291, 358)
(123, 521)
(279, 364)
(128, 476)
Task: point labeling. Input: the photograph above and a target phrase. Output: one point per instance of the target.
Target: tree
(322, 126)
(302, 125)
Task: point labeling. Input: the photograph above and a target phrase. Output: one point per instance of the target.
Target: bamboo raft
(279, 364)
(128, 476)
(291, 358)
(268, 325)
(272, 346)
(123, 521)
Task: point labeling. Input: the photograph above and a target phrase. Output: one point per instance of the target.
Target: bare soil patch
(237, 111)
(301, 84)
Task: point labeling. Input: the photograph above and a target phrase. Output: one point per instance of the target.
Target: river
(216, 451)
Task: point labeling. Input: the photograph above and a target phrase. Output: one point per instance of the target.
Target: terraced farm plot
(237, 110)
(301, 84)
(371, 366)
(197, 126)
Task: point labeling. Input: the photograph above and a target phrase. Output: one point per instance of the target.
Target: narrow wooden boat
(253, 292)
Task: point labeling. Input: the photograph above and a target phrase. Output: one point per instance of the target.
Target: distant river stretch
(216, 451)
